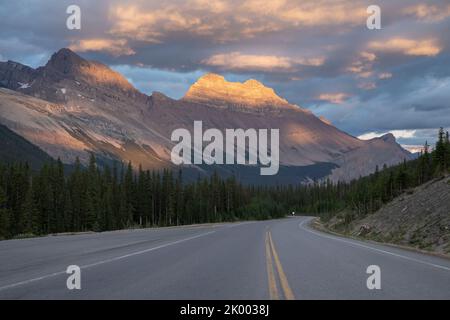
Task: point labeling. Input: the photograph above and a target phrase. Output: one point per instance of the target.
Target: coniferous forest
(99, 199)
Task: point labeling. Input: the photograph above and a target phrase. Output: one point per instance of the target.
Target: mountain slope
(72, 105)
(418, 218)
(15, 148)
(363, 160)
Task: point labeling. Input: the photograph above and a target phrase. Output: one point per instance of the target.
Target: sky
(318, 54)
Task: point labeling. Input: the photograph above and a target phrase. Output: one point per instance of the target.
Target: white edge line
(51, 275)
(354, 243)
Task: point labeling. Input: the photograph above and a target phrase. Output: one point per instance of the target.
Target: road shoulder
(317, 225)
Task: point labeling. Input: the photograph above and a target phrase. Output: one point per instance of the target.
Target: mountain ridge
(69, 63)
(212, 88)
(68, 114)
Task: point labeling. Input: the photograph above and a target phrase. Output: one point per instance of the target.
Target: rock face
(67, 64)
(66, 73)
(213, 89)
(15, 75)
(71, 105)
(418, 218)
(362, 161)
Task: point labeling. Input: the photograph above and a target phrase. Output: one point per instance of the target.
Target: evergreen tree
(31, 213)
(5, 217)
(96, 198)
(440, 155)
(92, 196)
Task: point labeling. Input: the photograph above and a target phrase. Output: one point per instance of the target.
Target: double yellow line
(271, 252)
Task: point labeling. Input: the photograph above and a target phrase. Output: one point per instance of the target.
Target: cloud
(367, 85)
(413, 148)
(397, 134)
(250, 62)
(427, 107)
(227, 21)
(213, 6)
(390, 84)
(117, 47)
(428, 47)
(363, 65)
(384, 75)
(336, 98)
(363, 68)
(153, 25)
(396, 108)
(264, 7)
(428, 12)
(325, 13)
(368, 56)
(148, 79)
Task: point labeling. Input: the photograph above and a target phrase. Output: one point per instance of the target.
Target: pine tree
(107, 200)
(4, 216)
(59, 189)
(77, 197)
(440, 155)
(31, 213)
(129, 196)
(92, 196)
(447, 151)
(141, 207)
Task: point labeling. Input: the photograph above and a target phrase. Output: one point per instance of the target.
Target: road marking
(233, 225)
(289, 295)
(17, 284)
(354, 243)
(273, 290)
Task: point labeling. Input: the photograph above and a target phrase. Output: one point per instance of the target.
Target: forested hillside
(116, 198)
(407, 205)
(52, 201)
(420, 218)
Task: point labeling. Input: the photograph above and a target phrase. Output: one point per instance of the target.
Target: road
(277, 259)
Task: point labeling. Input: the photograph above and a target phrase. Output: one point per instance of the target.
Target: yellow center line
(273, 290)
(289, 295)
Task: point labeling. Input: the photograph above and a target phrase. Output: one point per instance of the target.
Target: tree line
(366, 195)
(99, 199)
(110, 198)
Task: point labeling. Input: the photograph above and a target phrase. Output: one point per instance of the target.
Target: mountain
(14, 147)
(373, 153)
(213, 89)
(72, 105)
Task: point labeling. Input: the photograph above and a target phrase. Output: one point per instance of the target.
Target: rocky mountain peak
(65, 61)
(211, 78)
(70, 64)
(215, 89)
(252, 83)
(14, 75)
(388, 137)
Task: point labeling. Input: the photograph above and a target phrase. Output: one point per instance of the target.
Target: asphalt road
(278, 259)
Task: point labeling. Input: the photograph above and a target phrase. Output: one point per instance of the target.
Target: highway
(276, 259)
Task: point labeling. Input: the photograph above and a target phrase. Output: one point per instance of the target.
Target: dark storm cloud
(421, 107)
